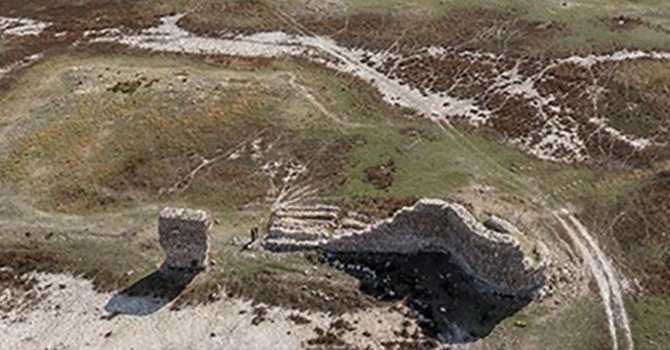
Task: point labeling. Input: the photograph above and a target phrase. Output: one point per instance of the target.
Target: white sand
(71, 318)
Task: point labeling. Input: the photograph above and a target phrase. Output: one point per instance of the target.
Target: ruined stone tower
(184, 237)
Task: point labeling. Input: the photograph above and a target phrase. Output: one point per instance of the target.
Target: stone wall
(184, 237)
(495, 259)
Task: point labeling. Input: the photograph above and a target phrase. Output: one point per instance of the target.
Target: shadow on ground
(151, 293)
(452, 307)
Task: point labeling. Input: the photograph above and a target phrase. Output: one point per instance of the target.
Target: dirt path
(603, 272)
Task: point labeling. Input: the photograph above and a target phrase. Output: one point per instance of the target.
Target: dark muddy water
(451, 305)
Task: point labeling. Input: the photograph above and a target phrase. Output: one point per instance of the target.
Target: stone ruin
(491, 252)
(495, 258)
(460, 275)
(184, 236)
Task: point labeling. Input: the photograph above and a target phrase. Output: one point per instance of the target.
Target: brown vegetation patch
(69, 15)
(636, 98)
(21, 288)
(384, 207)
(303, 293)
(236, 16)
(126, 87)
(10, 279)
(639, 227)
(98, 260)
(342, 325)
(327, 340)
(411, 345)
(260, 313)
(632, 98)
(331, 338)
(467, 28)
(381, 176)
(298, 319)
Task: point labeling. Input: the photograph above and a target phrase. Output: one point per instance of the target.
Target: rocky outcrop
(493, 258)
(184, 236)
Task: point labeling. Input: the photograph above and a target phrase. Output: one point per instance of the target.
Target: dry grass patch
(636, 99)
(112, 147)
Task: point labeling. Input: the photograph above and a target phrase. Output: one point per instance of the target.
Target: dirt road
(603, 272)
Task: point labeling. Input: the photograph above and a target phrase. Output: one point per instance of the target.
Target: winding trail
(603, 273)
(613, 281)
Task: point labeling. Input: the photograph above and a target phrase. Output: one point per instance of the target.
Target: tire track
(603, 273)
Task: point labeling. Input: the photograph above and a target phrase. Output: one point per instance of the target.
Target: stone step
(307, 214)
(353, 224)
(289, 245)
(317, 207)
(360, 217)
(293, 222)
(298, 234)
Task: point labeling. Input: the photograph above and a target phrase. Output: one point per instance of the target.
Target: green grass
(423, 167)
(651, 324)
(578, 326)
(582, 17)
(438, 167)
(433, 166)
